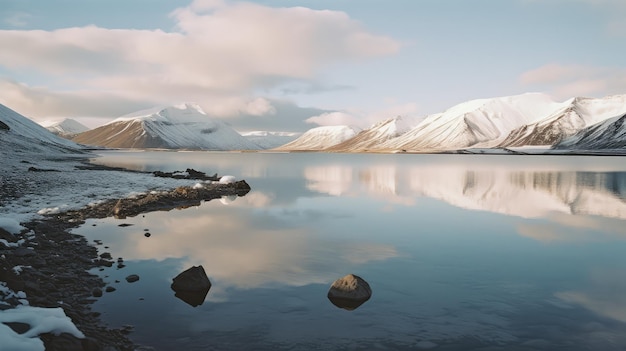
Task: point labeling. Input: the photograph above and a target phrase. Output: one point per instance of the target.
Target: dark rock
(110, 289)
(106, 256)
(4, 126)
(7, 236)
(124, 225)
(349, 292)
(90, 344)
(24, 252)
(132, 278)
(96, 292)
(18, 327)
(62, 342)
(147, 235)
(191, 174)
(193, 279)
(35, 169)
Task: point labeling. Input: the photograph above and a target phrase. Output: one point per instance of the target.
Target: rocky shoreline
(54, 263)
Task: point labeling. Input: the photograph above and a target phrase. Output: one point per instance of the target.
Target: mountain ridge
(182, 126)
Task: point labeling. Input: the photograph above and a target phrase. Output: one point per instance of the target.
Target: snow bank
(227, 179)
(10, 225)
(41, 320)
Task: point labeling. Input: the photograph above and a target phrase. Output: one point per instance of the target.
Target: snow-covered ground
(43, 174)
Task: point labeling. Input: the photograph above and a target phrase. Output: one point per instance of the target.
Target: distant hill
(66, 128)
(183, 126)
(320, 138)
(269, 140)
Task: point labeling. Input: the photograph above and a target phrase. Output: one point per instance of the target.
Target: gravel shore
(54, 264)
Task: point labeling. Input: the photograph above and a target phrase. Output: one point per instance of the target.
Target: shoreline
(54, 264)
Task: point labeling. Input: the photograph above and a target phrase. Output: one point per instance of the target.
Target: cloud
(17, 19)
(334, 118)
(603, 294)
(564, 81)
(364, 119)
(41, 101)
(220, 54)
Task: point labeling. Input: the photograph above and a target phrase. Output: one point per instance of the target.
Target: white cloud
(17, 19)
(335, 118)
(220, 55)
(364, 119)
(564, 81)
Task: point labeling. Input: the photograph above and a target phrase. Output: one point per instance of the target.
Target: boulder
(193, 279)
(132, 278)
(192, 286)
(349, 292)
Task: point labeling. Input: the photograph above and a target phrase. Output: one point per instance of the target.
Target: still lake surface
(462, 252)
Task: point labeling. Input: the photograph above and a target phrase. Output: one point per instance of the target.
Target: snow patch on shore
(10, 225)
(41, 320)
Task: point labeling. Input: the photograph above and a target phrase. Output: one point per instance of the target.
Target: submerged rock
(132, 278)
(349, 292)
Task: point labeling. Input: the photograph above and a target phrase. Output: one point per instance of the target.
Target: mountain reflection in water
(466, 252)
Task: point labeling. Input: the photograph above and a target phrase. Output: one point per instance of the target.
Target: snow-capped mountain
(320, 138)
(21, 135)
(479, 123)
(609, 134)
(269, 140)
(374, 136)
(66, 128)
(574, 115)
(183, 126)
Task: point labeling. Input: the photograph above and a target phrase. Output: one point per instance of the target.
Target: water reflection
(455, 247)
(240, 247)
(605, 294)
(526, 194)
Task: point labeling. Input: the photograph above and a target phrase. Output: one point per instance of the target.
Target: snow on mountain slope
(483, 122)
(65, 128)
(19, 135)
(320, 138)
(574, 115)
(269, 140)
(370, 138)
(609, 134)
(183, 126)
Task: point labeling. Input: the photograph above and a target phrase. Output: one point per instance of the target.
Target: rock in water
(192, 280)
(132, 278)
(349, 292)
(192, 285)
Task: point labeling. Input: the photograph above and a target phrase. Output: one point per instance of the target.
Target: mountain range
(183, 126)
(531, 119)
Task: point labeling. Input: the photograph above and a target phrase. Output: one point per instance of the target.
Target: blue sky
(292, 64)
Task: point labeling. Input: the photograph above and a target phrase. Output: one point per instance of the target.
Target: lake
(462, 252)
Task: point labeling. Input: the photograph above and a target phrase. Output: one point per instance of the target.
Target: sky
(291, 65)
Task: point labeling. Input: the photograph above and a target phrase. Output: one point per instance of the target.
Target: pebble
(132, 278)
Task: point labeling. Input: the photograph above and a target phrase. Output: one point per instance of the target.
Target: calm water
(462, 252)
